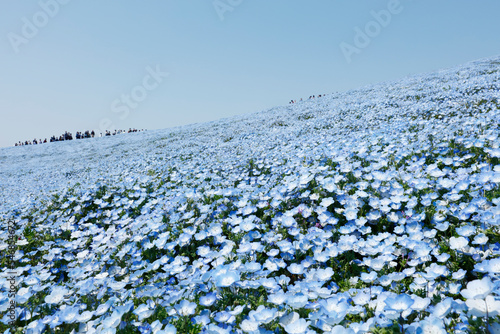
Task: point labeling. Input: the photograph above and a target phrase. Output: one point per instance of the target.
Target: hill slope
(363, 210)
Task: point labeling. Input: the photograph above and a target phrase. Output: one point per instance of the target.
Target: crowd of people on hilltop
(79, 135)
(310, 97)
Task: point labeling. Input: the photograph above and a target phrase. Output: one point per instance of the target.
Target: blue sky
(89, 64)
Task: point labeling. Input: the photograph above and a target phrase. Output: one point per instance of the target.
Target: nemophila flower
(288, 221)
(253, 267)
(334, 309)
(269, 283)
(396, 277)
(208, 299)
(203, 318)
(224, 317)
(57, 295)
(324, 274)
(435, 270)
(399, 230)
(326, 202)
(495, 177)
(35, 327)
(143, 311)
(85, 316)
(458, 243)
(69, 314)
(278, 298)
(454, 288)
(249, 326)
(226, 279)
(478, 289)
(494, 153)
(32, 280)
(341, 330)
(482, 307)
(356, 309)
(368, 277)
(273, 252)
(288, 318)
(480, 239)
(442, 226)
(129, 306)
(442, 257)
(296, 269)
(117, 286)
(361, 298)
(185, 307)
(299, 326)
(285, 246)
(297, 301)
(360, 221)
(247, 226)
(215, 329)
(271, 265)
(23, 295)
(459, 274)
(169, 329)
(145, 328)
(249, 209)
(263, 314)
(493, 266)
(420, 303)
(362, 327)
(373, 215)
(323, 292)
(376, 264)
(430, 234)
(254, 235)
(201, 235)
(351, 214)
(467, 211)
(103, 308)
(321, 256)
(399, 303)
(283, 280)
(442, 308)
(430, 325)
(184, 238)
(466, 230)
(481, 266)
(113, 320)
(409, 271)
(214, 229)
(447, 183)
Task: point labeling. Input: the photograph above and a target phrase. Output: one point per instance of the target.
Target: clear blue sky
(72, 73)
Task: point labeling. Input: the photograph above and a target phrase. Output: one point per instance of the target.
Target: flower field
(371, 211)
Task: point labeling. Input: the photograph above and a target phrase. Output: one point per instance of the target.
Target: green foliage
(393, 329)
(186, 325)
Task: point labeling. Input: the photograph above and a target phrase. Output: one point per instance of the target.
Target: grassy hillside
(370, 211)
